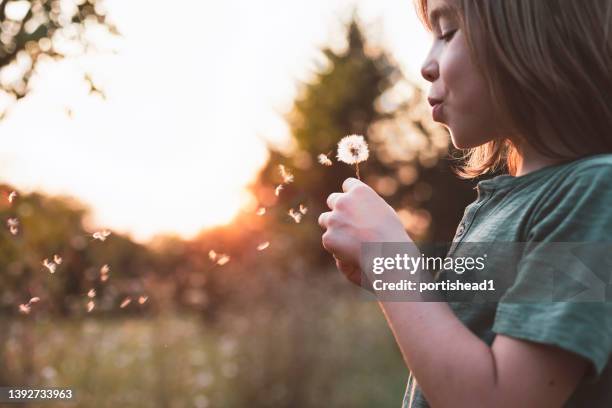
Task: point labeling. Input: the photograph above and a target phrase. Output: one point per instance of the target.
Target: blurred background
(148, 256)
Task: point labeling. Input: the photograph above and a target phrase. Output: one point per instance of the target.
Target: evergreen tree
(357, 92)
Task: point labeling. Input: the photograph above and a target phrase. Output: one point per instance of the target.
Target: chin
(460, 141)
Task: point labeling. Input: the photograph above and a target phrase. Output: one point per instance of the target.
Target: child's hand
(358, 215)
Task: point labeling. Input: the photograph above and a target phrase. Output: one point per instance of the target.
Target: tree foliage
(362, 91)
(32, 31)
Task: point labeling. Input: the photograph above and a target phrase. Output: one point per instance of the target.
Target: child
(525, 84)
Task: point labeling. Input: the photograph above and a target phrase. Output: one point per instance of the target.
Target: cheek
(468, 108)
(466, 88)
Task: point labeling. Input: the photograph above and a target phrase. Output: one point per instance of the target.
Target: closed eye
(448, 36)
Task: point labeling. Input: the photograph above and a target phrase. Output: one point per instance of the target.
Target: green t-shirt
(566, 203)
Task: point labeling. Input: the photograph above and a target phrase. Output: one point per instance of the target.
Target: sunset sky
(192, 94)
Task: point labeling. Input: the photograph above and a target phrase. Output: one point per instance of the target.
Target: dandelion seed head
(90, 306)
(297, 216)
(285, 174)
(263, 246)
(57, 259)
(125, 302)
(35, 299)
(261, 211)
(91, 293)
(353, 149)
(223, 259)
(13, 230)
(24, 308)
(303, 209)
(103, 278)
(324, 160)
(12, 196)
(142, 299)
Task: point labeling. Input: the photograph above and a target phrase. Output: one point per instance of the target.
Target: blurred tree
(49, 226)
(361, 91)
(52, 228)
(34, 30)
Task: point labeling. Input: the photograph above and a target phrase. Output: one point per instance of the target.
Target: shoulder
(590, 176)
(577, 204)
(592, 166)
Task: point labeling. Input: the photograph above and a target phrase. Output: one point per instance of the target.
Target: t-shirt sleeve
(561, 294)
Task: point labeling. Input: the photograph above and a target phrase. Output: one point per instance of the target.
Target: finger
(350, 271)
(349, 184)
(327, 242)
(331, 200)
(323, 219)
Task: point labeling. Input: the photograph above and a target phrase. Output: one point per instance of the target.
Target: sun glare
(172, 140)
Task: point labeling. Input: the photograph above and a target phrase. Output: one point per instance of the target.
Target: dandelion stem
(357, 169)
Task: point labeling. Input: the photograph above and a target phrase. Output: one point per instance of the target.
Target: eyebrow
(439, 12)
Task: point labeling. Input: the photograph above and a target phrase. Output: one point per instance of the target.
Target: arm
(453, 367)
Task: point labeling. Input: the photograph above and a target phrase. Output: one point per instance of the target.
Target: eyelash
(448, 36)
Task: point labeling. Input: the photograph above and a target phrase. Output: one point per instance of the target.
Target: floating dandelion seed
(104, 270)
(142, 299)
(12, 196)
(13, 224)
(26, 308)
(57, 259)
(353, 149)
(303, 209)
(90, 306)
(212, 255)
(285, 174)
(324, 160)
(125, 302)
(278, 190)
(263, 246)
(261, 211)
(51, 266)
(223, 259)
(297, 216)
(101, 235)
(91, 294)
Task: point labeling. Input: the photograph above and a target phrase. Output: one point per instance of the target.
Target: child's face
(466, 107)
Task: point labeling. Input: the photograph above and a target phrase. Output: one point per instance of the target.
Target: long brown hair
(548, 66)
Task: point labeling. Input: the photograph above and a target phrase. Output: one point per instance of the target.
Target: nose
(429, 70)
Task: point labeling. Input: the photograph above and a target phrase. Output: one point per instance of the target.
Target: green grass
(328, 353)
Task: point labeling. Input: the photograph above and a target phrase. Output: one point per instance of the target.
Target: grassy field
(332, 353)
